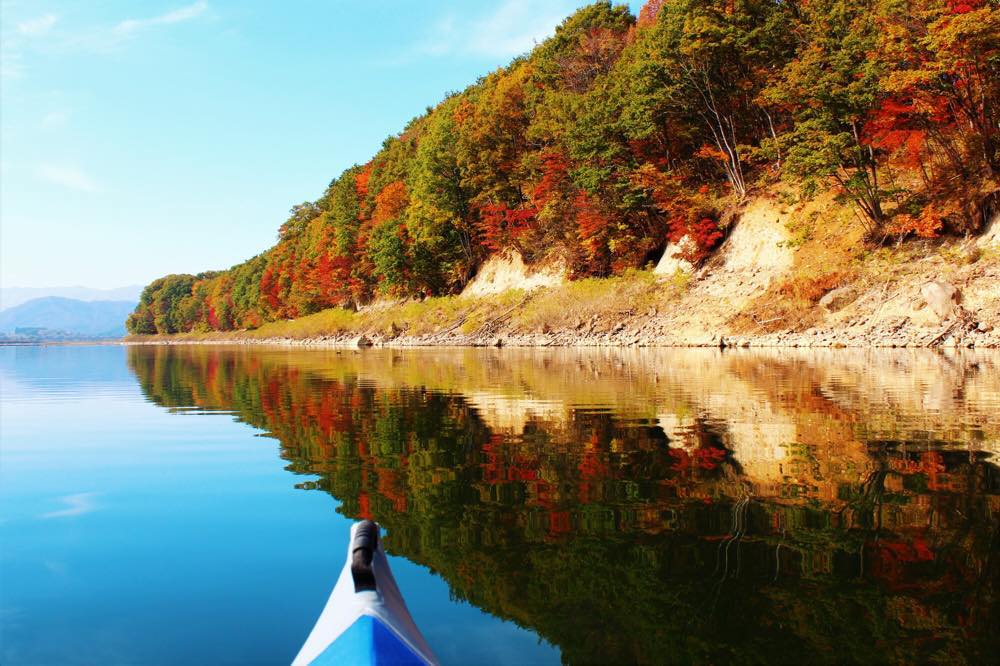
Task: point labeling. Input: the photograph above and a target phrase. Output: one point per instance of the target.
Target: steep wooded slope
(619, 136)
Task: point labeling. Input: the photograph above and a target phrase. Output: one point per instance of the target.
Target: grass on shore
(605, 300)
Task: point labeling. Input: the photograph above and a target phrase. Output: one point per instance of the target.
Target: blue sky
(145, 138)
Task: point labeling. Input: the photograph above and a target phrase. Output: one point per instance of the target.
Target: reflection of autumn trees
(619, 541)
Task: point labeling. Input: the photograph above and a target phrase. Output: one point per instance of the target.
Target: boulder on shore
(838, 299)
(361, 341)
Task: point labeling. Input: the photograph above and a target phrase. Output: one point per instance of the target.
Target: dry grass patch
(609, 299)
(334, 321)
(442, 314)
(432, 315)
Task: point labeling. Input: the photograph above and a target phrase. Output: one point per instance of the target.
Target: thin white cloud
(511, 29)
(67, 176)
(37, 26)
(130, 26)
(20, 39)
(76, 505)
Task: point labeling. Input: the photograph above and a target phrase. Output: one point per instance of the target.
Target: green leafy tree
(440, 218)
(830, 89)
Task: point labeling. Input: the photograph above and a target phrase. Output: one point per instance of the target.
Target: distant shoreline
(30, 343)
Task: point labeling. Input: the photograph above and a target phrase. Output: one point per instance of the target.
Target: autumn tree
(698, 70)
(441, 219)
(159, 308)
(941, 113)
(830, 90)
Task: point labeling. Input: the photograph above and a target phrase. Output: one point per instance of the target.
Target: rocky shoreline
(932, 314)
(950, 336)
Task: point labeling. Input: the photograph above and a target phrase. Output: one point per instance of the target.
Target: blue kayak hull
(368, 641)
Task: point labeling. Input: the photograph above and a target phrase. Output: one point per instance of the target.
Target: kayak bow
(365, 620)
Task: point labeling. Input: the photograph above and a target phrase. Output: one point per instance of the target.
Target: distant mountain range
(14, 296)
(56, 318)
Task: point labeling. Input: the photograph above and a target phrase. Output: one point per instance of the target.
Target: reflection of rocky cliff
(651, 507)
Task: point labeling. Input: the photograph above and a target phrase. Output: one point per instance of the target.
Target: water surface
(191, 503)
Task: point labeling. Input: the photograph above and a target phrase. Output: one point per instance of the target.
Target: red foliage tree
(270, 288)
(592, 226)
(390, 202)
(649, 11)
(555, 173)
(500, 226)
(695, 237)
(894, 128)
(361, 182)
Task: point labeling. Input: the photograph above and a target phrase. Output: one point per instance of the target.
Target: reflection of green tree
(617, 547)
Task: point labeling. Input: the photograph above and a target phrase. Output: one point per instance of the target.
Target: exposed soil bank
(787, 276)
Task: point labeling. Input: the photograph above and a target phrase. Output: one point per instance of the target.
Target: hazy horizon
(13, 296)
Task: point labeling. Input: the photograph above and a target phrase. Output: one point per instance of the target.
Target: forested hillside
(620, 136)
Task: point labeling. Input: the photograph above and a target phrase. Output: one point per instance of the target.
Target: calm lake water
(191, 504)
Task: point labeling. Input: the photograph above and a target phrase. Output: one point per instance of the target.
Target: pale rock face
(757, 244)
(759, 241)
(755, 253)
(919, 314)
(941, 297)
(670, 264)
(507, 270)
